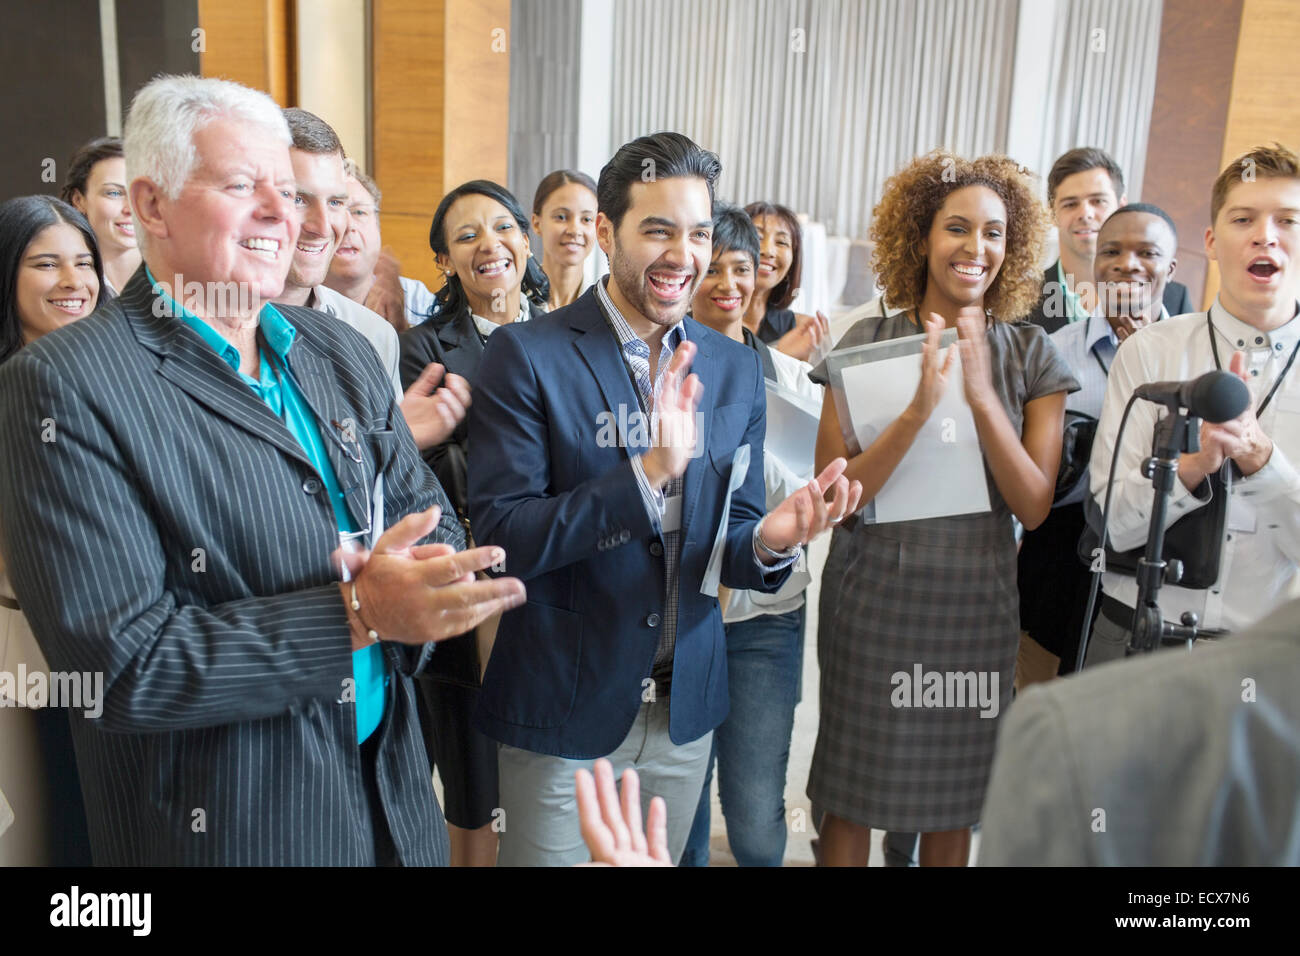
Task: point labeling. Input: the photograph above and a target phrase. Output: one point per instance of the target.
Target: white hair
(158, 136)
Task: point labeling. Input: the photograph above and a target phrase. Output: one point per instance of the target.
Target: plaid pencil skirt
(916, 642)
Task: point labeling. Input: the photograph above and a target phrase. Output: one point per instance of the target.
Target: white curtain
(1102, 62)
(543, 92)
(813, 103)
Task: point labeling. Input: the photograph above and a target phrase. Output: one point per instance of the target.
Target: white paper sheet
(713, 571)
(942, 473)
(792, 421)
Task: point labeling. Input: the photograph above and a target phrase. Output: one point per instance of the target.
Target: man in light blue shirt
(1133, 264)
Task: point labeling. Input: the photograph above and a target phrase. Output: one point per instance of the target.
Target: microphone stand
(1175, 434)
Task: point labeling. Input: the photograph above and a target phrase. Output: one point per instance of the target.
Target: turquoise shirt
(284, 399)
(1075, 312)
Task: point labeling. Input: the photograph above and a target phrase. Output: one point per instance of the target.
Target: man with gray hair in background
(365, 271)
(208, 531)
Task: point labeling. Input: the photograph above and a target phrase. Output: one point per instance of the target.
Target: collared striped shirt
(637, 356)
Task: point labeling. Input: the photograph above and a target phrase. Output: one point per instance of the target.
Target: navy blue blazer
(566, 673)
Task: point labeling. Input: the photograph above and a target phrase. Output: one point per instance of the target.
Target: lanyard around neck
(1214, 347)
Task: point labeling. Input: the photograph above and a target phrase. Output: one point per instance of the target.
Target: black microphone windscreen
(1218, 397)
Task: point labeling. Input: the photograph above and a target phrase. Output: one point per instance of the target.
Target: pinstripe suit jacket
(164, 527)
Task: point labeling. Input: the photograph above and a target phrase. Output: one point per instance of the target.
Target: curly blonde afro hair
(902, 219)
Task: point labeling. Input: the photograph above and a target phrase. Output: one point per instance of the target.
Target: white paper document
(942, 474)
(792, 421)
(713, 571)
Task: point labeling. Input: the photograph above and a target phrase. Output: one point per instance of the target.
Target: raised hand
(612, 831)
(808, 340)
(432, 413)
(806, 513)
(1241, 439)
(413, 594)
(934, 371)
(1125, 325)
(675, 406)
(386, 296)
(976, 363)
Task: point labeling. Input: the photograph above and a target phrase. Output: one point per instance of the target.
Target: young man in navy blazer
(604, 468)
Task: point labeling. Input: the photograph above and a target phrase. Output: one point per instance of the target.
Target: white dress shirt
(779, 483)
(381, 336)
(419, 301)
(1261, 553)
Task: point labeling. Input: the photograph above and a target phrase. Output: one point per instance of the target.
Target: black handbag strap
(1214, 347)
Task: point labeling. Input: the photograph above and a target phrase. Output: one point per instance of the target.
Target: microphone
(1214, 397)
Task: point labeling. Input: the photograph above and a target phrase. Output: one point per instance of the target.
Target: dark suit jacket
(173, 536)
(566, 673)
(1050, 314)
(455, 343)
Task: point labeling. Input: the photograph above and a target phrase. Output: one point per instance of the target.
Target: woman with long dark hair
(479, 238)
(50, 276)
(780, 269)
(957, 245)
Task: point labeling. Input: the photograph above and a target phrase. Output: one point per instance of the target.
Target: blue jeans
(752, 746)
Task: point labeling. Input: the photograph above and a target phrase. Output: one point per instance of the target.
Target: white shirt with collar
(1261, 553)
(486, 326)
(418, 300)
(381, 335)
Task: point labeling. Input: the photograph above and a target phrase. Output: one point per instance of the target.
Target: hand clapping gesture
(675, 405)
(1241, 439)
(809, 340)
(976, 364)
(935, 371)
(806, 513)
(432, 413)
(415, 593)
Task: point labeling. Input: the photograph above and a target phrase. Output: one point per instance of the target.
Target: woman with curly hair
(957, 245)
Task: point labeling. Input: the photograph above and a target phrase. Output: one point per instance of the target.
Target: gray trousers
(1107, 642)
(540, 824)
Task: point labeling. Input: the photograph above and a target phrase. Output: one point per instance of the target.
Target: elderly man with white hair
(196, 488)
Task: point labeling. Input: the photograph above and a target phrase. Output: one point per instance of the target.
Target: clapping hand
(1240, 439)
(809, 340)
(934, 372)
(386, 296)
(976, 363)
(675, 406)
(415, 593)
(806, 513)
(432, 413)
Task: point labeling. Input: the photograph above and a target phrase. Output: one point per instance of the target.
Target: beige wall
(1265, 103)
(333, 68)
(441, 111)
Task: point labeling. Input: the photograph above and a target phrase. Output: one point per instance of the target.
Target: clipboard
(943, 473)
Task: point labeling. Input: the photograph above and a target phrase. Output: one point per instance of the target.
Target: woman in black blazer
(51, 274)
(479, 238)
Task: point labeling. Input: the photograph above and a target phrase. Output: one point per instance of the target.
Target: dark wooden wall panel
(51, 90)
(1198, 48)
(154, 36)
